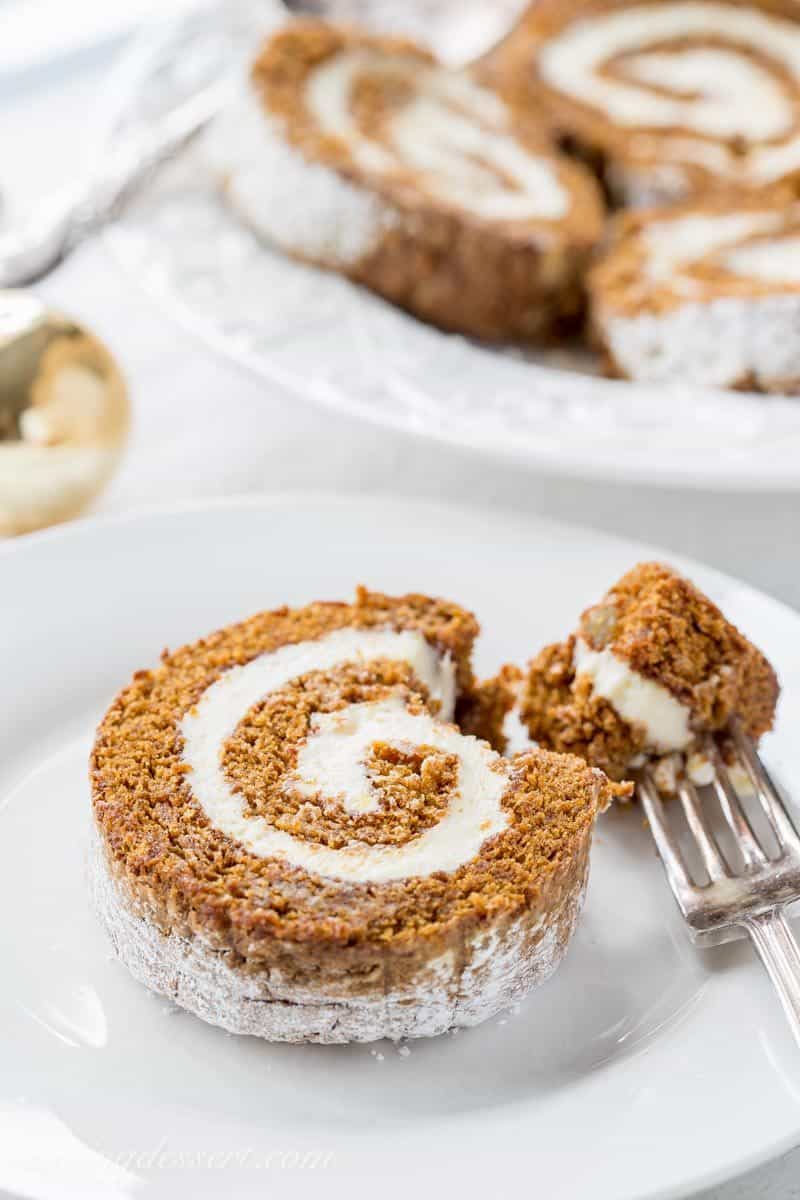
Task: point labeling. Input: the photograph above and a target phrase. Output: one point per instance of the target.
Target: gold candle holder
(64, 415)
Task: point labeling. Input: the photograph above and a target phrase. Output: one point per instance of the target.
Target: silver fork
(737, 899)
(30, 251)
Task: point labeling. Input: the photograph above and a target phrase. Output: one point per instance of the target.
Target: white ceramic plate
(643, 1069)
(312, 334)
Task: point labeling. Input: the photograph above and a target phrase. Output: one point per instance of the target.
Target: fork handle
(31, 251)
(779, 951)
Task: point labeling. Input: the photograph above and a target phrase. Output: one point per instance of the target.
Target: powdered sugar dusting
(723, 343)
(305, 208)
(499, 967)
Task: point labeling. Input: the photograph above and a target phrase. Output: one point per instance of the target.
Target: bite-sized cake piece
(294, 840)
(652, 669)
(707, 292)
(361, 154)
(667, 97)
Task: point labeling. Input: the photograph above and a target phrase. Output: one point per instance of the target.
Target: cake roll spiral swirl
(331, 763)
(704, 292)
(300, 835)
(671, 96)
(364, 155)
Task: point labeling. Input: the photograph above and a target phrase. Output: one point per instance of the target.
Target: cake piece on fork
(652, 669)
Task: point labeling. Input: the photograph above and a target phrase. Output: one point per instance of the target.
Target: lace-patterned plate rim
(331, 342)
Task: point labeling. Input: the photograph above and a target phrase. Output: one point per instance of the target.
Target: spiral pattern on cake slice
(361, 154)
(295, 840)
(669, 97)
(705, 292)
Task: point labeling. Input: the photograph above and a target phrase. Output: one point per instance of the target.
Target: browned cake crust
(494, 279)
(296, 934)
(643, 164)
(667, 631)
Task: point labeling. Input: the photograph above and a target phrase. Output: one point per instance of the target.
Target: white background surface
(202, 427)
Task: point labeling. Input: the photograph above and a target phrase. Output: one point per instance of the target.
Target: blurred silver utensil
(744, 890)
(459, 31)
(30, 250)
(63, 415)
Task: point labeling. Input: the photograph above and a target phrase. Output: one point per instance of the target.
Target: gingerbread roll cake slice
(652, 669)
(668, 97)
(294, 839)
(362, 155)
(707, 292)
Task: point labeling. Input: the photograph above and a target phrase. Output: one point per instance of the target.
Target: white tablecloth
(204, 428)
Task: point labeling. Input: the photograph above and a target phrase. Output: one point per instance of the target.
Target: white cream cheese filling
(332, 760)
(711, 90)
(672, 244)
(727, 79)
(774, 260)
(455, 135)
(637, 700)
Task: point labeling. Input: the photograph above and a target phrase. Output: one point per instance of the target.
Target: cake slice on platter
(651, 671)
(707, 292)
(666, 97)
(363, 155)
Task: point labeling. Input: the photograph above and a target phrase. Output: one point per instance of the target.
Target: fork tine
(746, 841)
(713, 861)
(667, 846)
(768, 795)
